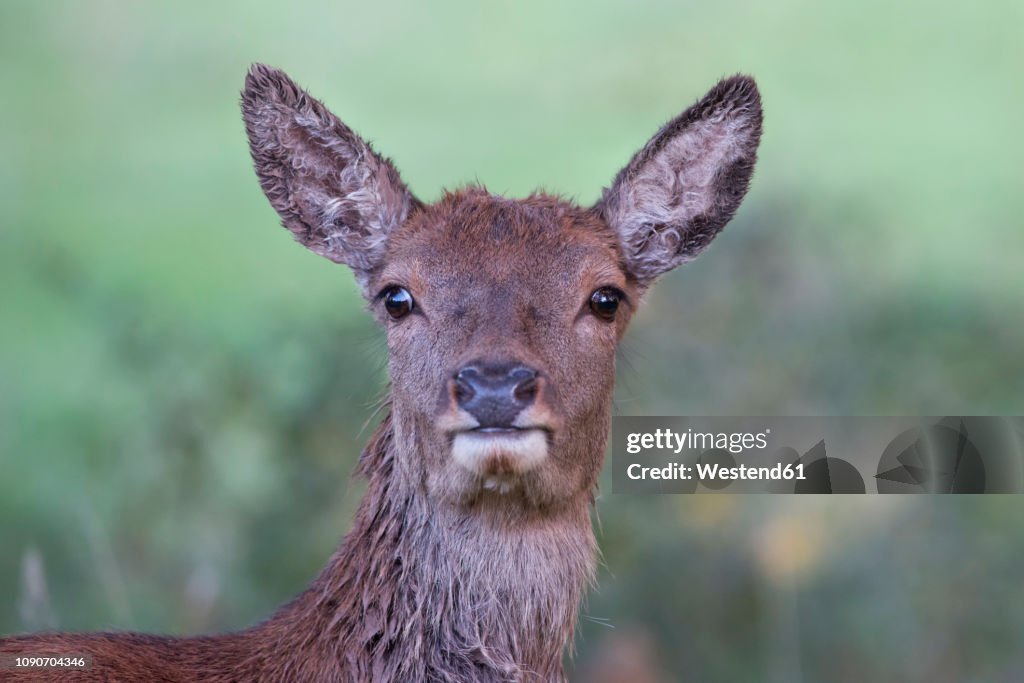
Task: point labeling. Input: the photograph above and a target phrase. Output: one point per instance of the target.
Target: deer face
(502, 319)
(502, 316)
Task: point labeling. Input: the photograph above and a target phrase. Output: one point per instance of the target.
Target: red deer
(473, 545)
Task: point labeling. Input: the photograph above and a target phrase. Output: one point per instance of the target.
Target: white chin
(500, 454)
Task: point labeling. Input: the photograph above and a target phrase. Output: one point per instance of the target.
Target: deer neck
(426, 591)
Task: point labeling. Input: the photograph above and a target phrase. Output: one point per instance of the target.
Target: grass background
(183, 390)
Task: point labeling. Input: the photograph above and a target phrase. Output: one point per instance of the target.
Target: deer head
(502, 315)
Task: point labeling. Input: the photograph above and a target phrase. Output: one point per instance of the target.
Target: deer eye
(397, 301)
(604, 302)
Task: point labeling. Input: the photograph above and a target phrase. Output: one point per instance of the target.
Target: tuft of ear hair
(333, 192)
(678, 192)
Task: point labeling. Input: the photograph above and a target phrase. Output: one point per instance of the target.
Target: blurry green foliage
(183, 391)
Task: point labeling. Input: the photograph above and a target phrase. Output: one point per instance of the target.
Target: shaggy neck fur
(418, 592)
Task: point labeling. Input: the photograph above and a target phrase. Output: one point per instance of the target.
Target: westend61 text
(713, 471)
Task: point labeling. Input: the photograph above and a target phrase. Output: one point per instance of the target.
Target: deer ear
(336, 195)
(680, 190)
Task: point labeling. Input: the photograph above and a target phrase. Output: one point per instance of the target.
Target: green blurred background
(183, 390)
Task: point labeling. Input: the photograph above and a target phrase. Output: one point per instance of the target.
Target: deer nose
(495, 393)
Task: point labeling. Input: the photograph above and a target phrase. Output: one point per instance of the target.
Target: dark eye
(398, 302)
(604, 302)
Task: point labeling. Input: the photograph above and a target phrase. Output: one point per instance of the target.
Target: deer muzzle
(499, 436)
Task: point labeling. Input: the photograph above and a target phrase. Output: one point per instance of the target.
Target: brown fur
(445, 577)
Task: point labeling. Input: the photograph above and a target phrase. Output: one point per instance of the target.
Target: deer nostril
(525, 388)
(522, 374)
(464, 385)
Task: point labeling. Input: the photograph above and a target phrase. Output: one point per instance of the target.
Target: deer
(473, 545)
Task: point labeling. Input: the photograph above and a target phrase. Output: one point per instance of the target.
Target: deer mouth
(498, 454)
(498, 431)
